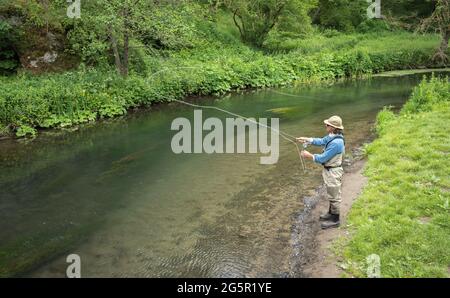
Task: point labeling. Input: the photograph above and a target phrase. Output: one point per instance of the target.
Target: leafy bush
(343, 15)
(25, 130)
(430, 93)
(373, 26)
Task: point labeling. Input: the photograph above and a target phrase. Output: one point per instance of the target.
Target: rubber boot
(326, 216)
(333, 222)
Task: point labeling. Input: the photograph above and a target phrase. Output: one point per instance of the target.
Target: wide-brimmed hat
(334, 121)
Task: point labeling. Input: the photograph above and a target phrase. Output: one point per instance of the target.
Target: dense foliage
(135, 53)
(255, 19)
(29, 102)
(8, 57)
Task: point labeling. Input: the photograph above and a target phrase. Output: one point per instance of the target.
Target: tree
(406, 14)
(439, 21)
(122, 18)
(117, 31)
(108, 24)
(343, 15)
(256, 18)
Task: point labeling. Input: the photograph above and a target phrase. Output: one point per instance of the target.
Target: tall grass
(373, 42)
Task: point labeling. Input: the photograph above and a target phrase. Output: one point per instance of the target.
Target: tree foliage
(342, 15)
(8, 56)
(113, 28)
(406, 14)
(439, 21)
(255, 19)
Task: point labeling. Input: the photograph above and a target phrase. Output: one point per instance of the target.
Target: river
(115, 194)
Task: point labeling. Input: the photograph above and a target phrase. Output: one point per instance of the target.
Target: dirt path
(323, 262)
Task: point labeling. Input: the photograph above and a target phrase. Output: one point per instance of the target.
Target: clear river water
(115, 194)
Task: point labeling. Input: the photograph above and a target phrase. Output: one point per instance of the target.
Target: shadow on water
(115, 194)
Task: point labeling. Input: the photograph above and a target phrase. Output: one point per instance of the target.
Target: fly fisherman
(331, 160)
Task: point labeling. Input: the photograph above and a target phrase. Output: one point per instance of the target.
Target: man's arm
(320, 141)
(314, 141)
(331, 151)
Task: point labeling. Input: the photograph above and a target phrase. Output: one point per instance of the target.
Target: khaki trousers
(333, 181)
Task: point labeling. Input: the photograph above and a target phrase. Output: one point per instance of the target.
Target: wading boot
(333, 222)
(326, 216)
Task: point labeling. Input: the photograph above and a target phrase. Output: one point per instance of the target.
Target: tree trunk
(237, 24)
(126, 41)
(444, 42)
(115, 52)
(441, 55)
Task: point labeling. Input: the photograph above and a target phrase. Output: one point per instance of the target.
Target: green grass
(403, 214)
(372, 42)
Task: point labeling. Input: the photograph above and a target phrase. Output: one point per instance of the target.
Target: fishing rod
(284, 135)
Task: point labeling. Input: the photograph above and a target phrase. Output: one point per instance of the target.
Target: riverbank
(29, 103)
(403, 214)
(323, 263)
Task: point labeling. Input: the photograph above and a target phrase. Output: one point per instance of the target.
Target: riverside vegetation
(403, 213)
(193, 50)
(29, 102)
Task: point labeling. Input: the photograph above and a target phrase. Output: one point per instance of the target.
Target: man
(331, 160)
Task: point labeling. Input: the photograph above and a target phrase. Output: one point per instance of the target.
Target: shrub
(383, 120)
(427, 94)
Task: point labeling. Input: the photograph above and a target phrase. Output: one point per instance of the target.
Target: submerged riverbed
(115, 194)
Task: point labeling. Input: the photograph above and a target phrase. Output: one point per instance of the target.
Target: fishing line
(293, 95)
(316, 99)
(284, 135)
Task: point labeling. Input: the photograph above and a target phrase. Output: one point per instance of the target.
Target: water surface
(115, 194)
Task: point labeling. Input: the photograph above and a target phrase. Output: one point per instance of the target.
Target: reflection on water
(115, 194)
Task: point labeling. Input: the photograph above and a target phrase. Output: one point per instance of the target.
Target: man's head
(334, 125)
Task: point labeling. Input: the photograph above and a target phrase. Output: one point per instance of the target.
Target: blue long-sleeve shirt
(336, 146)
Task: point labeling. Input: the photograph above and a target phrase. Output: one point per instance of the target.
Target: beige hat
(334, 121)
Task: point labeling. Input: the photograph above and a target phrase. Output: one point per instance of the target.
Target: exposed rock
(42, 51)
(49, 57)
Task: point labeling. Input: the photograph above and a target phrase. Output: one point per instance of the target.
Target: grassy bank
(403, 214)
(30, 102)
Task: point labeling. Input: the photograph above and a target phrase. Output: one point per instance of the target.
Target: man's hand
(306, 154)
(304, 140)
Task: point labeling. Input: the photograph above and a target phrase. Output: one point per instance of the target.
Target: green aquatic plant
(25, 130)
